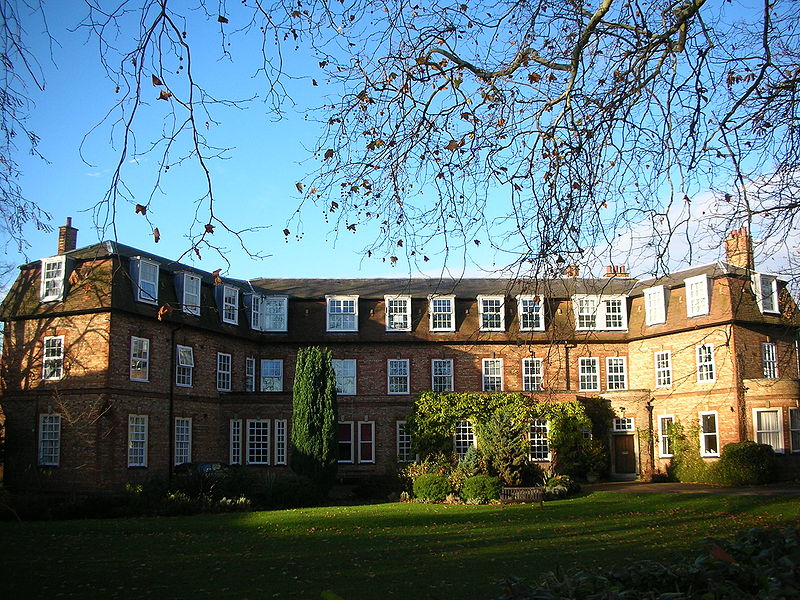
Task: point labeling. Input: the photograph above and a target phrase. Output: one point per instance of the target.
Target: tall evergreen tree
(314, 417)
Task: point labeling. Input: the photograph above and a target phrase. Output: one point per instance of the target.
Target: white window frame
(664, 441)
(588, 371)
(397, 381)
(404, 444)
(259, 441)
(765, 288)
(230, 304)
(616, 373)
(280, 434)
(341, 313)
(446, 318)
(463, 438)
(53, 358)
(623, 424)
(345, 370)
(663, 370)
(709, 434)
(51, 287)
(363, 444)
(442, 374)
(192, 290)
(794, 429)
(654, 306)
(758, 433)
(532, 375)
(249, 374)
(697, 301)
(492, 313)
(137, 440)
(530, 312)
(492, 375)
(49, 440)
(235, 442)
(184, 366)
(143, 283)
(348, 443)
(274, 313)
(539, 441)
(592, 312)
(140, 359)
(706, 366)
(183, 440)
(224, 371)
(272, 377)
(398, 313)
(769, 359)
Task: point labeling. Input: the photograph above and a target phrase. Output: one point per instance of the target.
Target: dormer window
(765, 287)
(189, 292)
(531, 317)
(491, 310)
(398, 313)
(230, 304)
(145, 280)
(442, 313)
(268, 313)
(600, 312)
(53, 275)
(696, 296)
(654, 312)
(342, 313)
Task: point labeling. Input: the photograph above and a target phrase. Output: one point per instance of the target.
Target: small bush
(481, 488)
(747, 463)
(559, 486)
(432, 486)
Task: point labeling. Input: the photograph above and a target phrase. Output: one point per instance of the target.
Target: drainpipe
(650, 445)
(171, 418)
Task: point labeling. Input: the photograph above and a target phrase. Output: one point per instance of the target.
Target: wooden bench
(519, 495)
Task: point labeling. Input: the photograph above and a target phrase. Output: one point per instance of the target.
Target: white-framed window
(342, 313)
(492, 313)
(346, 442)
(531, 374)
(664, 441)
(794, 428)
(404, 447)
(140, 359)
(663, 364)
(184, 366)
(366, 442)
(589, 374)
(250, 374)
(706, 371)
(51, 287)
(49, 440)
(280, 441)
(709, 435)
(492, 370)
(235, 442)
(230, 304)
(600, 312)
(696, 296)
(623, 424)
(654, 306)
(530, 312)
(442, 374)
(442, 311)
(769, 359)
(146, 281)
(538, 441)
(464, 438)
(183, 440)
(137, 440)
(765, 288)
(191, 294)
(616, 373)
(223, 372)
(258, 441)
(398, 313)
(271, 375)
(398, 376)
(768, 427)
(53, 357)
(345, 370)
(268, 313)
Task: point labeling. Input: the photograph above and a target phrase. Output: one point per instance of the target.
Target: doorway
(624, 454)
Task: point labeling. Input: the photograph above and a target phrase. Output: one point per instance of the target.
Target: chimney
(616, 271)
(739, 249)
(572, 271)
(67, 237)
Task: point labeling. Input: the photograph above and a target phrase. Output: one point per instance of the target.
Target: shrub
(432, 486)
(287, 491)
(503, 446)
(747, 463)
(559, 486)
(481, 488)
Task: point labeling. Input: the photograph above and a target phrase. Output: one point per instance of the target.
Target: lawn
(377, 551)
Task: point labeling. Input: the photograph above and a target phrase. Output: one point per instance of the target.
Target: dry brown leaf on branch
(141, 209)
(209, 228)
(299, 187)
(217, 279)
(164, 310)
(156, 80)
(164, 95)
(156, 235)
(222, 19)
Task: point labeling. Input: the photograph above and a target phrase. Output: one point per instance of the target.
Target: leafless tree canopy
(545, 130)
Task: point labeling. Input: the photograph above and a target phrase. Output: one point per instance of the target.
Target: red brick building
(119, 364)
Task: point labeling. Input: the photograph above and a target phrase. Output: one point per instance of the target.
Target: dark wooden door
(624, 455)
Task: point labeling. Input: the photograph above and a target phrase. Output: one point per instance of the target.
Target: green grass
(378, 551)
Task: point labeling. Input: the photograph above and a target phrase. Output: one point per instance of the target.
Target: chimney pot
(67, 237)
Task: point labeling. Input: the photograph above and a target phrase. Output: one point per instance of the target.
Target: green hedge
(747, 463)
(481, 488)
(432, 486)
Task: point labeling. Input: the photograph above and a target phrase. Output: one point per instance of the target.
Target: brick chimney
(616, 271)
(67, 237)
(739, 249)
(572, 271)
